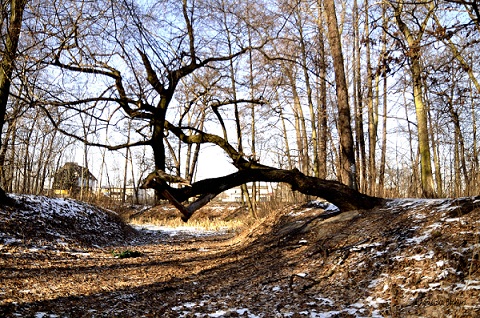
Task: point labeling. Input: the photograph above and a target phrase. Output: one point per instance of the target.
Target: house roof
(73, 168)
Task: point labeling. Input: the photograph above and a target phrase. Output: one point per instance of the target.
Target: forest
(379, 97)
(346, 129)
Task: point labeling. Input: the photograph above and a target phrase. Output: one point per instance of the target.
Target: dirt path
(94, 281)
(407, 259)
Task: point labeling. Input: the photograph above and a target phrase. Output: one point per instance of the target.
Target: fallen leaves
(382, 262)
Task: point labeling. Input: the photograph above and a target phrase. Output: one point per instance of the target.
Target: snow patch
(420, 257)
(59, 222)
(180, 230)
(45, 315)
(325, 301)
(218, 313)
(418, 239)
(375, 302)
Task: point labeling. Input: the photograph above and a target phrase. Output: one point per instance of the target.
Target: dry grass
(216, 225)
(224, 217)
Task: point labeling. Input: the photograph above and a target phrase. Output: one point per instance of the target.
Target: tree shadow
(280, 266)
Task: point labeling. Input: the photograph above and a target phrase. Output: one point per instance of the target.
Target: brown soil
(405, 259)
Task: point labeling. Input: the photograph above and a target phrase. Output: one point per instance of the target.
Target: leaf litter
(407, 258)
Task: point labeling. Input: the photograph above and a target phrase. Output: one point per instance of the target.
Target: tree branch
(88, 143)
(343, 197)
(201, 137)
(152, 77)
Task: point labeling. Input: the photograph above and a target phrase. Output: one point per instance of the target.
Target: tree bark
(372, 109)
(358, 103)
(300, 126)
(303, 57)
(381, 175)
(347, 154)
(344, 197)
(337, 193)
(322, 99)
(7, 63)
(414, 56)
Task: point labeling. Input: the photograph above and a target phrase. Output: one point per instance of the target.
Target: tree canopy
(294, 93)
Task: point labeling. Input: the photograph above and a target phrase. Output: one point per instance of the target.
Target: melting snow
(62, 221)
(218, 313)
(419, 257)
(326, 206)
(375, 302)
(44, 314)
(180, 230)
(452, 220)
(440, 263)
(325, 301)
(418, 239)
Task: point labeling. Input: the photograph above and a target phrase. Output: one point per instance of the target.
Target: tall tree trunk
(7, 63)
(303, 57)
(474, 164)
(371, 108)
(194, 162)
(285, 139)
(194, 151)
(358, 102)
(347, 154)
(290, 195)
(436, 158)
(456, 165)
(10, 136)
(245, 194)
(412, 188)
(252, 130)
(13, 150)
(414, 57)
(460, 163)
(125, 167)
(300, 126)
(158, 143)
(428, 188)
(381, 175)
(322, 99)
(373, 118)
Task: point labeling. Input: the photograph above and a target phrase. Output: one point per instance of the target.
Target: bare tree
(141, 71)
(348, 166)
(413, 52)
(13, 21)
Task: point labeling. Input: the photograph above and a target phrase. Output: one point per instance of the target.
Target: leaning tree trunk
(337, 193)
(344, 197)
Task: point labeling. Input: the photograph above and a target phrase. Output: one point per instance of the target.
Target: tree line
(379, 96)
